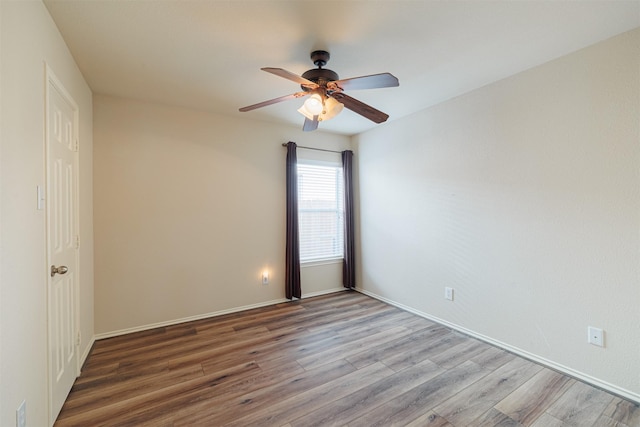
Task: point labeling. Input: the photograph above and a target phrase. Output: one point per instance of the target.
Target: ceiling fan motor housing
(320, 75)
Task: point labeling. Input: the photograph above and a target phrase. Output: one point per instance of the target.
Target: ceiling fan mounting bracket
(320, 58)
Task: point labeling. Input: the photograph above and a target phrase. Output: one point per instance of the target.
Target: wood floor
(340, 359)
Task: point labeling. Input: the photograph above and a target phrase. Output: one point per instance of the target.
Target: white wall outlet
(448, 293)
(265, 277)
(21, 414)
(596, 336)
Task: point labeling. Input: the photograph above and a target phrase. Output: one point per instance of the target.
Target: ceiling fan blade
(274, 101)
(361, 108)
(367, 82)
(310, 125)
(291, 76)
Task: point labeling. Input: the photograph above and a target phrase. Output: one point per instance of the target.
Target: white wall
(189, 210)
(524, 197)
(29, 38)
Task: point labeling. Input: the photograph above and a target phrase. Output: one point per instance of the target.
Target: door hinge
(77, 241)
(78, 338)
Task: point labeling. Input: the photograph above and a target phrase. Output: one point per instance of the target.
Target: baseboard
(611, 388)
(205, 315)
(187, 319)
(87, 350)
(325, 292)
(85, 354)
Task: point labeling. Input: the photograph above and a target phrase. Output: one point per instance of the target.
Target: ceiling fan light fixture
(330, 109)
(305, 113)
(313, 105)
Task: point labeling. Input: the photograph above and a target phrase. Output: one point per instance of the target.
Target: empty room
(319, 213)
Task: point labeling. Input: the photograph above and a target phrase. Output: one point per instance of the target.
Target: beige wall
(524, 197)
(29, 38)
(189, 210)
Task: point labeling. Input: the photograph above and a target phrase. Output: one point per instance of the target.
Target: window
(320, 211)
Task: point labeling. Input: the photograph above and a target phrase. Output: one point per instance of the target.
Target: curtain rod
(316, 149)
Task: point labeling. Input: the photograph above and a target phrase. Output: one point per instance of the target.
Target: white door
(62, 235)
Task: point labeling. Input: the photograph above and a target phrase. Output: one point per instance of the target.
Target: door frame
(53, 83)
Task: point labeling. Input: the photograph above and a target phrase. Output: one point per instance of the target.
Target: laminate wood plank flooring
(343, 359)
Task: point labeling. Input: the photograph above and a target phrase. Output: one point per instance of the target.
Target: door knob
(59, 270)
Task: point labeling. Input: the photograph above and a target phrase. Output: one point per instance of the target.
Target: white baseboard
(533, 357)
(187, 319)
(87, 350)
(325, 292)
(85, 354)
(205, 316)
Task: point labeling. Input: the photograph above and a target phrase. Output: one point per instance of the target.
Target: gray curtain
(348, 264)
(292, 261)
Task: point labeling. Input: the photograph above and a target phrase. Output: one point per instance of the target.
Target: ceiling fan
(325, 91)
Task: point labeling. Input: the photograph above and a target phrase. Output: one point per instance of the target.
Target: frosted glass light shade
(331, 109)
(313, 105)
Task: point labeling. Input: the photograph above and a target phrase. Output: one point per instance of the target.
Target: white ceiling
(208, 54)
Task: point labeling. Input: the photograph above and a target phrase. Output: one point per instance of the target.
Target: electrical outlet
(596, 336)
(265, 277)
(448, 293)
(21, 414)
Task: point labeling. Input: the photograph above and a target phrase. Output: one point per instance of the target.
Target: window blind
(320, 211)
